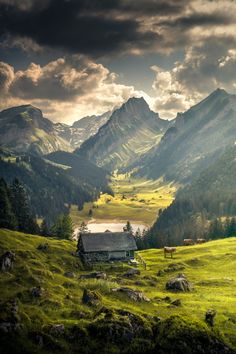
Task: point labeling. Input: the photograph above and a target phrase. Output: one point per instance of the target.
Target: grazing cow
(201, 240)
(188, 242)
(170, 250)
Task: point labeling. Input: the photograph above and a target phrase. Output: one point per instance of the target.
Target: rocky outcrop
(91, 298)
(134, 295)
(180, 283)
(7, 260)
(94, 275)
(132, 272)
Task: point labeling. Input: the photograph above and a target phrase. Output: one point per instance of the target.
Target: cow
(188, 242)
(170, 250)
(201, 240)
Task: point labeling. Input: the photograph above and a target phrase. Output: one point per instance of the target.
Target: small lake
(114, 227)
(111, 226)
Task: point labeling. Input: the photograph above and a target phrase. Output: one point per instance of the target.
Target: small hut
(106, 246)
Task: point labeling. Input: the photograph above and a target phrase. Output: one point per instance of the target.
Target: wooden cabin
(106, 246)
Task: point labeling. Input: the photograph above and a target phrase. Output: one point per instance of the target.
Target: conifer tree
(7, 216)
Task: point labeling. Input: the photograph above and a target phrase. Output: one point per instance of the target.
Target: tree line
(16, 214)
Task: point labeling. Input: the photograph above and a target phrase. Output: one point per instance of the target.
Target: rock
(91, 298)
(57, 330)
(176, 302)
(180, 283)
(44, 247)
(210, 317)
(160, 273)
(68, 285)
(132, 272)
(78, 314)
(94, 275)
(6, 261)
(132, 294)
(69, 274)
(8, 327)
(36, 291)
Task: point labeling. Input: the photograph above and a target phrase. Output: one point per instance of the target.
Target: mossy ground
(211, 269)
(137, 200)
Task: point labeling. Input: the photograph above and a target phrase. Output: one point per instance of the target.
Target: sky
(73, 58)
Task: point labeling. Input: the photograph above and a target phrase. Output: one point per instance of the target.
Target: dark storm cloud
(91, 27)
(199, 19)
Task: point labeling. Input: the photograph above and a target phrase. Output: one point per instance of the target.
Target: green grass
(211, 269)
(137, 200)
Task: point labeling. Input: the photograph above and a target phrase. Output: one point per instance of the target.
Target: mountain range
(25, 129)
(194, 140)
(130, 132)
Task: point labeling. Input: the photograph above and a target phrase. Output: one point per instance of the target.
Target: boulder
(7, 260)
(36, 291)
(134, 295)
(57, 330)
(210, 317)
(94, 275)
(91, 298)
(180, 283)
(176, 303)
(44, 247)
(132, 272)
(69, 274)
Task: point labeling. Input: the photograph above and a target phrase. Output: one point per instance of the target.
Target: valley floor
(136, 200)
(210, 268)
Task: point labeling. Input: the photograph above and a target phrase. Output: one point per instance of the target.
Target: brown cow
(201, 240)
(188, 242)
(170, 250)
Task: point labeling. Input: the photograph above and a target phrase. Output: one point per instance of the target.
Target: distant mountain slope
(53, 186)
(131, 131)
(81, 168)
(82, 129)
(194, 140)
(212, 194)
(24, 129)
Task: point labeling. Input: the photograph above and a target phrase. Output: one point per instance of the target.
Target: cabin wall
(96, 256)
(117, 255)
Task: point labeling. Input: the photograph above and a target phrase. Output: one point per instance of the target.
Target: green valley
(135, 199)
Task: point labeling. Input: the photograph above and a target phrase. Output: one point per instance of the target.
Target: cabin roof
(108, 241)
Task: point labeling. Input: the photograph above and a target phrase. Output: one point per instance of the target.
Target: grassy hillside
(145, 327)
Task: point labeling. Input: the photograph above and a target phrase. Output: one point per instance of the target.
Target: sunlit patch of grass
(137, 200)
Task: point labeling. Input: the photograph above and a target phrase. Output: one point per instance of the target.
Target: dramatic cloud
(66, 89)
(204, 68)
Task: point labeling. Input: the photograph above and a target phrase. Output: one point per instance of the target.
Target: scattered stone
(91, 298)
(44, 247)
(134, 295)
(210, 317)
(94, 275)
(132, 272)
(36, 291)
(69, 274)
(57, 330)
(68, 285)
(173, 267)
(180, 283)
(176, 303)
(139, 283)
(7, 260)
(167, 299)
(78, 314)
(160, 273)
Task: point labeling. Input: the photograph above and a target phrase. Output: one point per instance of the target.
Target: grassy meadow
(210, 268)
(137, 200)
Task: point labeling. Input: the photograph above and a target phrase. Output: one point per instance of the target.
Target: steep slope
(212, 194)
(58, 321)
(81, 130)
(194, 140)
(53, 186)
(81, 168)
(24, 129)
(130, 132)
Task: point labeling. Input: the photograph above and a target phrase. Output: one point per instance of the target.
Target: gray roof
(108, 241)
